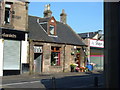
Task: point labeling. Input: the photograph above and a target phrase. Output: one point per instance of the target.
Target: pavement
(26, 76)
(33, 77)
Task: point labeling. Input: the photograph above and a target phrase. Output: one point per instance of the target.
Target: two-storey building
(13, 36)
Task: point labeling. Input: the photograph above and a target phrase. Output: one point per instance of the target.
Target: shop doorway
(77, 60)
(37, 62)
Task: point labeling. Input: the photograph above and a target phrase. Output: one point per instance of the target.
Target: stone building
(53, 45)
(95, 49)
(13, 36)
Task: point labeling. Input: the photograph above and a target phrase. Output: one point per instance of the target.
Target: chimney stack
(63, 17)
(47, 11)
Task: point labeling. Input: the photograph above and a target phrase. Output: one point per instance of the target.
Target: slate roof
(87, 35)
(101, 36)
(64, 33)
(44, 19)
(90, 35)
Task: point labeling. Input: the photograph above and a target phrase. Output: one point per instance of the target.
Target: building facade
(30, 44)
(13, 36)
(95, 49)
(53, 45)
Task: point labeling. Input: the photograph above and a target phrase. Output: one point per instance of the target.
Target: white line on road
(19, 83)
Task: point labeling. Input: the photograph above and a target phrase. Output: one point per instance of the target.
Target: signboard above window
(96, 43)
(37, 49)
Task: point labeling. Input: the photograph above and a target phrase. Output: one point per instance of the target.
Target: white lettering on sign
(37, 49)
(96, 43)
(9, 35)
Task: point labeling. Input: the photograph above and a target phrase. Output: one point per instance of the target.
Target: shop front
(97, 54)
(11, 47)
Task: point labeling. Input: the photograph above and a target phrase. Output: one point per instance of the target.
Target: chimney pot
(63, 17)
(47, 11)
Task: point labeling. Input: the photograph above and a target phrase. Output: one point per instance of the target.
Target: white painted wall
(24, 50)
(1, 57)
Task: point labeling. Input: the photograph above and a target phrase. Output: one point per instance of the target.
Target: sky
(81, 16)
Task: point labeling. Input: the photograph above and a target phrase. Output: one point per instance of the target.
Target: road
(77, 81)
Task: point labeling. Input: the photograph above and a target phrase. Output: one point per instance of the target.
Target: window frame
(50, 30)
(52, 22)
(10, 5)
(58, 52)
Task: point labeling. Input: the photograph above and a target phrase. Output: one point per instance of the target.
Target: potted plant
(73, 66)
(72, 53)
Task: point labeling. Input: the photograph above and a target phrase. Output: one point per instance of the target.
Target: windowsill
(56, 66)
(52, 36)
(7, 25)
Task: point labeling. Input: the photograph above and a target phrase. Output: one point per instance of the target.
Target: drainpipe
(64, 59)
(30, 60)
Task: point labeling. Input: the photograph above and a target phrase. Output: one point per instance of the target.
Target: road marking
(19, 83)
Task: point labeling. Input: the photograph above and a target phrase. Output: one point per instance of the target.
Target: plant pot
(72, 69)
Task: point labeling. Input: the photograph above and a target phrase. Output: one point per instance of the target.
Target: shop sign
(9, 35)
(96, 43)
(37, 49)
(12, 34)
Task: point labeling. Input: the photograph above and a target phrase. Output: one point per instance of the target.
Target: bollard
(53, 83)
(95, 81)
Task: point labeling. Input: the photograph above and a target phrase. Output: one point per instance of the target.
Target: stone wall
(1, 12)
(68, 57)
(65, 57)
(19, 16)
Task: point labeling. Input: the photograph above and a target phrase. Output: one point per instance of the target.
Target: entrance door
(37, 62)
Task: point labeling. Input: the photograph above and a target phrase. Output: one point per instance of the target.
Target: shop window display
(55, 56)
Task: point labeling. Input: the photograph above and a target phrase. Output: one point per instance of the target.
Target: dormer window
(52, 30)
(48, 25)
(52, 27)
(8, 8)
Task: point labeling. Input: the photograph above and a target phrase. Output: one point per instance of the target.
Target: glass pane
(55, 58)
(7, 15)
(51, 30)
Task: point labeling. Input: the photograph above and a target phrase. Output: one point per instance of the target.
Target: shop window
(55, 56)
(7, 13)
